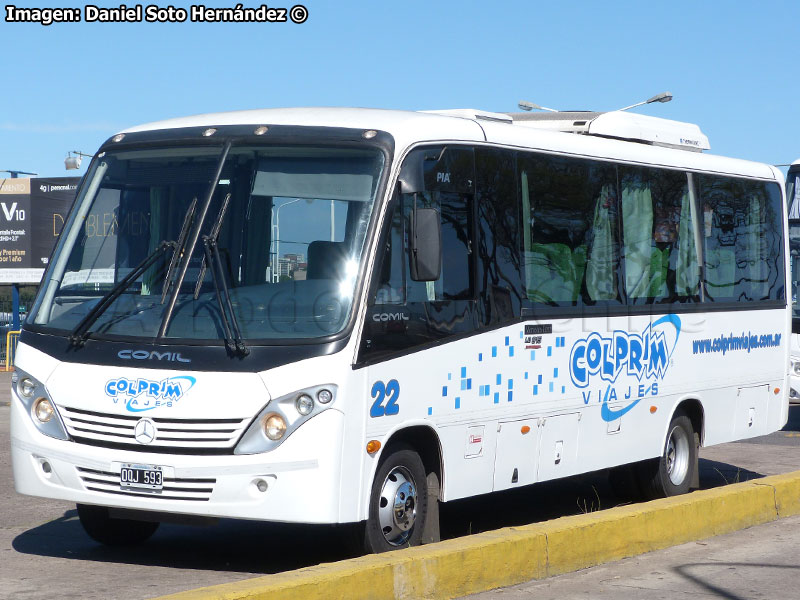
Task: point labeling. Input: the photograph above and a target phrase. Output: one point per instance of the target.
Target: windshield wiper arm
(214, 235)
(81, 331)
(212, 260)
(187, 222)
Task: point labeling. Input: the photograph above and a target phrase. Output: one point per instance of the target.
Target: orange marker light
(373, 446)
(525, 429)
(776, 391)
(653, 410)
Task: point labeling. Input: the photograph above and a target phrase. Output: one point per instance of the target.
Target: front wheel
(107, 530)
(673, 472)
(398, 503)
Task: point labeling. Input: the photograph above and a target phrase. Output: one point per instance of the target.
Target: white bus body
(792, 191)
(599, 303)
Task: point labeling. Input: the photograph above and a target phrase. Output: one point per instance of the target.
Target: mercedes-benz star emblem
(145, 431)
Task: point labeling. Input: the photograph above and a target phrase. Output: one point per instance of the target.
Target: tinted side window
(391, 276)
(570, 231)
(742, 234)
(658, 243)
(406, 313)
(499, 247)
(449, 182)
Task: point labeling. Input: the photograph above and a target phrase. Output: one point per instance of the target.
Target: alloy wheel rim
(677, 455)
(397, 506)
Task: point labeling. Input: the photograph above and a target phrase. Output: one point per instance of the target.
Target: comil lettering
(389, 317)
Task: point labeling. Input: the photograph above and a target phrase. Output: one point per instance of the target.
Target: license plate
(148, 478)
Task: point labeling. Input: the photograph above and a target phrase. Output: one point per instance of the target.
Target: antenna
(525, 105)
(662, 97)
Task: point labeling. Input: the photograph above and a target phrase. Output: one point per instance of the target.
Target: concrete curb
(516, 554)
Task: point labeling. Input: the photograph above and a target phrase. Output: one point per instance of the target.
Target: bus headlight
(304, 404)
(282, 416)
(324, 396)
(795, 367)
(274, 426)
(26, 387)
(38, 404)
(43, 410)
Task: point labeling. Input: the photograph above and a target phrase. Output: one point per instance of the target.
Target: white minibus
(348, 316)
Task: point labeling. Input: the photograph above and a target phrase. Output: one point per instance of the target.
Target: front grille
(184, 436)
(193, 490)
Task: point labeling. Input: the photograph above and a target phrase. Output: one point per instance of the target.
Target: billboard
(32, 214)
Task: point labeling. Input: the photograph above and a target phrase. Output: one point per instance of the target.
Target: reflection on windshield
(288, 249)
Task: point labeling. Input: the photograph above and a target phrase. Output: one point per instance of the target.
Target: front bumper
(302, 475)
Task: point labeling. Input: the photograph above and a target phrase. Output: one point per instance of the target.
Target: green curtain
(637, 231)
(601, 278)
(159, 197)
(687, 271)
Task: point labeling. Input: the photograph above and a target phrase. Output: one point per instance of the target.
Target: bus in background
(348, 316)
(793, 201)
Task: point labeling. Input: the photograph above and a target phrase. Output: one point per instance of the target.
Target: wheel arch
(692, 407)
(424, 440)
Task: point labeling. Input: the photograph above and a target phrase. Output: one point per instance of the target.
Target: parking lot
(44, 552)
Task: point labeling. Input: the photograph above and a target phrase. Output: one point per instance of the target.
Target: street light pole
(16, 174)
(276, 234)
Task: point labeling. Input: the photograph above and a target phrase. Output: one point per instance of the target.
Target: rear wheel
(673, 472)
(398, 503)
(102, 528)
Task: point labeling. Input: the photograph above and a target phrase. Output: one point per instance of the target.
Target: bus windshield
(287, 224)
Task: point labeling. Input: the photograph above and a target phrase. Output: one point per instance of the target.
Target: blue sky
(729, 65)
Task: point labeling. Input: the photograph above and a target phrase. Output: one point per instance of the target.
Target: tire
(400, 481)
(671, 474)
(113, 532)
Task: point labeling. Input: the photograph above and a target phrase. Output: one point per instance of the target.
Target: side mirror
(412, 174)
(426, 244)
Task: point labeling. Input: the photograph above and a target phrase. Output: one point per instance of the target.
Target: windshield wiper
(187, 222)
(81, 331)
(191, 242)
(212, 261)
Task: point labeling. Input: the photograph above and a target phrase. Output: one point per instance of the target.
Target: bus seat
(326, 260)
(555, 273)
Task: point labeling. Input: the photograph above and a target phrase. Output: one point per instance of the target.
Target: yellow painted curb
(787, 492)
(516, 554)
